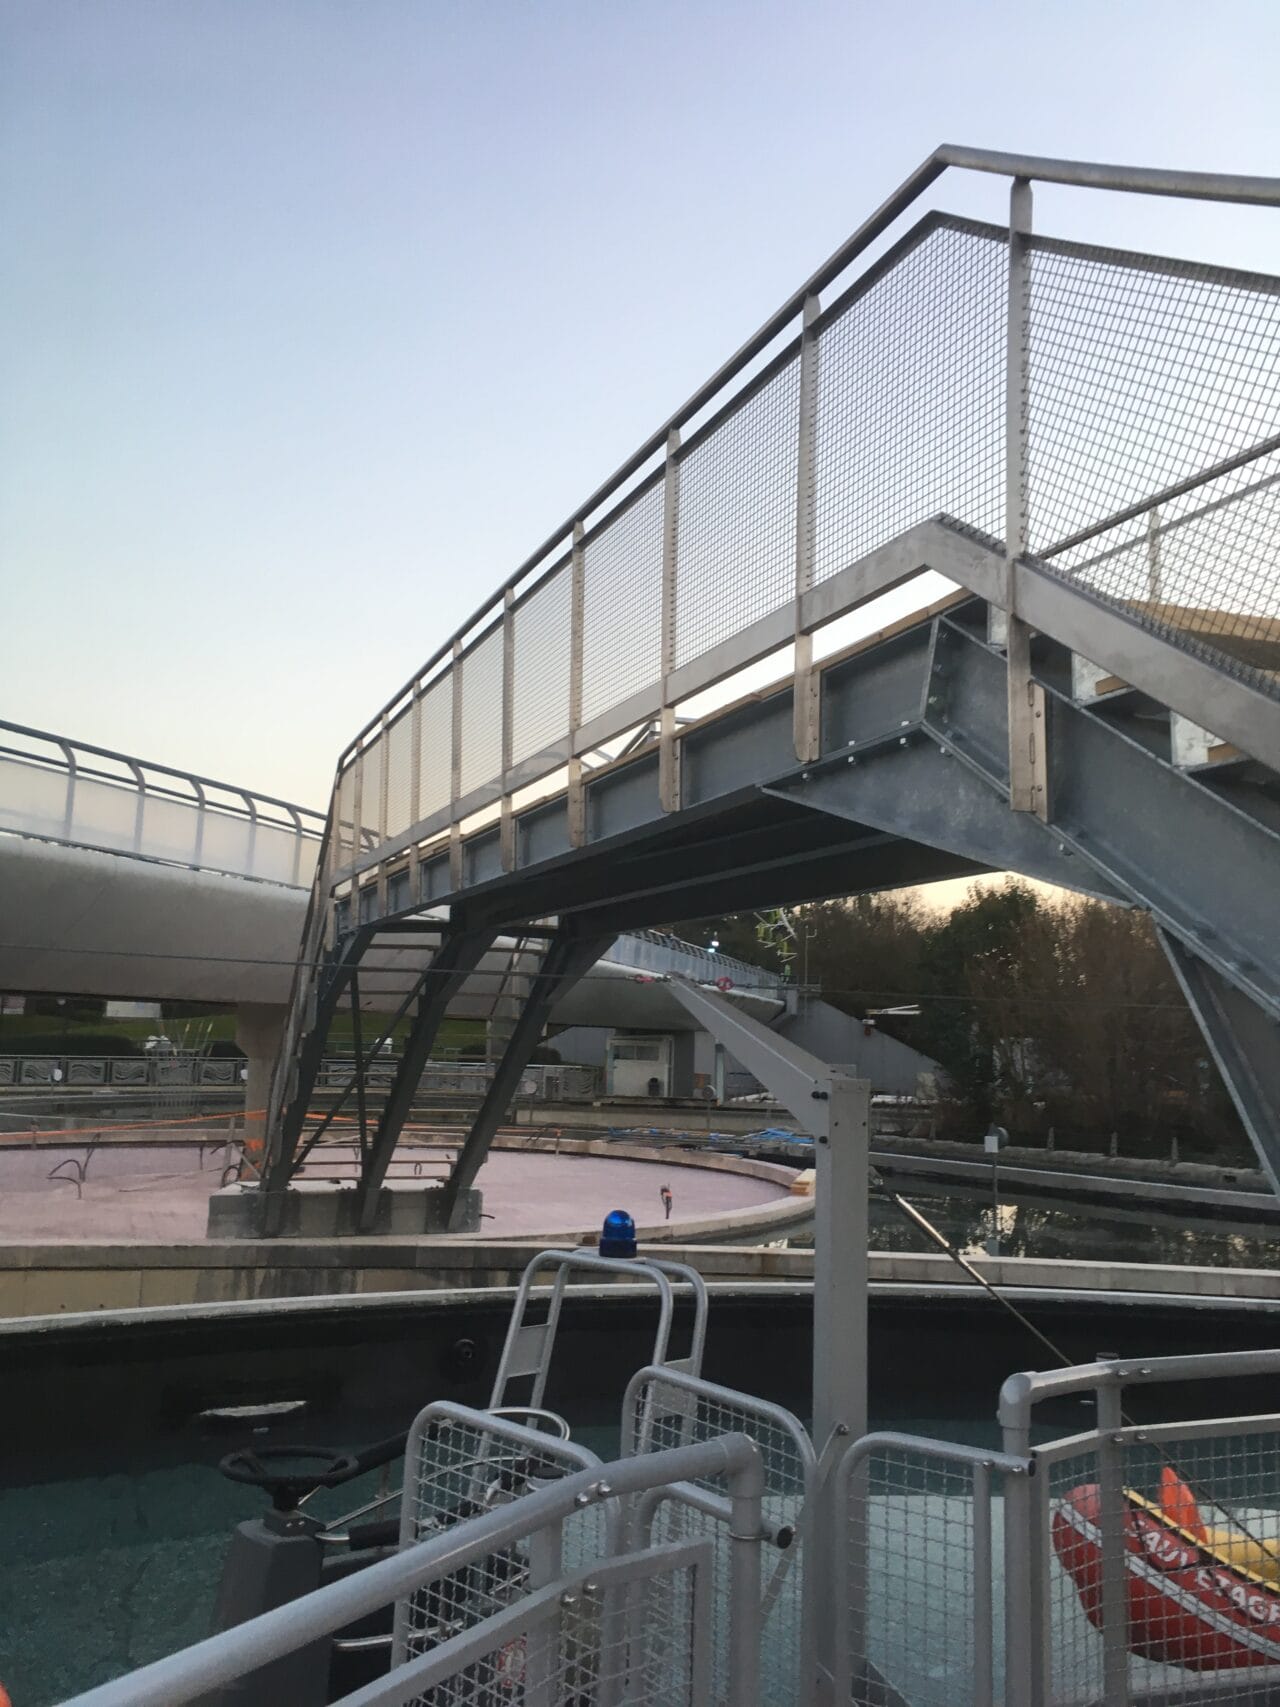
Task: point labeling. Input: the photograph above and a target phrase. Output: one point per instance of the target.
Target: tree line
(1046, 1013)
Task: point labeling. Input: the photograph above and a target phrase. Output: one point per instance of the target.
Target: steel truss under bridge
(967, 560)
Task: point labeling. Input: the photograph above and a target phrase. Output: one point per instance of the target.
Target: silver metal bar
(840, 1262)
(70, 746)
(983, 1622)
(1132, 180)
(746, 1492)
(669, 748)
(1111, 1529)
(806, 730)
(223, 1658)
(1027, 746)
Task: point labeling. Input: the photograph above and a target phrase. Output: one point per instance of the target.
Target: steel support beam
(569, 956)
(459, 954)
(283, 1141)
(837, 1112)
(1244, 1042)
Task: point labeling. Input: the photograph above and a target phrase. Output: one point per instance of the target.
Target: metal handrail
(1135, 180)
(221, 1659)
(198, 782)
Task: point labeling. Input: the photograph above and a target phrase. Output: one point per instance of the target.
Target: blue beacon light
(618, 1235)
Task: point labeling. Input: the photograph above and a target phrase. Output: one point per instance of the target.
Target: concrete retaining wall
(40, 1280)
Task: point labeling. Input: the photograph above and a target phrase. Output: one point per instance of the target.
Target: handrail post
(806, 695)
(455, 769)
(577, 799)
(1111, 1533)
(669, 744)
(1028, 790)
(507, 827)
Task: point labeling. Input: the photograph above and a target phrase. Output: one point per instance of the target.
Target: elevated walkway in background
(125, 879)
(972, 564)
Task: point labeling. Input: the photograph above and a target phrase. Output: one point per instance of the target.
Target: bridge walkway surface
(966, 561)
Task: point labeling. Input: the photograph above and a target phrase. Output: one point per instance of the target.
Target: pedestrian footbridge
(123, 878)
(967, 560)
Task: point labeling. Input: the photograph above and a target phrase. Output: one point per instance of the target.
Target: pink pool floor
(160, 1194)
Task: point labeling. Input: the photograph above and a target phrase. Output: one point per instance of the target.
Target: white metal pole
(840, 1263)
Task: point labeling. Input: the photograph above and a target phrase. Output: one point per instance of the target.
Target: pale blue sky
(315, 317)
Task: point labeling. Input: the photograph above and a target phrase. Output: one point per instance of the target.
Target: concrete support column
(259, 1032)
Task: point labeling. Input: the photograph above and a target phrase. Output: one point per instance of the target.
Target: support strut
(459, 954)
(1244, 1041)
(567, 958)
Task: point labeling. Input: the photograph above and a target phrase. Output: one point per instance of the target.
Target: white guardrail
(59, 790)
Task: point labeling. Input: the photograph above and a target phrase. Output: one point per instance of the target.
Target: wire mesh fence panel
(482, 711)
(540, 667)
(369, 794)
(736, 518)
(435, 743)
(1145, 376)
(671, 1411)
(921, 1562)
(564, 1646)
(457, 1468)
(344, 817)
(399, 782)
(910, 410)
(1167, 568)
(1075, 1663)
(1195, 1545)
(622, 605)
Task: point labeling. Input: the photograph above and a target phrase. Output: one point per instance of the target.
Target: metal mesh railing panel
(344, 814)
(659, 1659)
(910, 410)
(912, 1575)
(666, 1414)
(455, 1470)
(369, 794)
(1075, 1661)
(1145, 375)
(540, 667)
(1169, 569)
(400, 773)
(568, 1654)
(482, 712)
(736, 518)
(435, 763)
(622, 605)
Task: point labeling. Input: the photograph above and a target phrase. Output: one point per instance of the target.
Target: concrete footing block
(329, 1212)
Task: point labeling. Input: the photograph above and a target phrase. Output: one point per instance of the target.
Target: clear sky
(315, 317)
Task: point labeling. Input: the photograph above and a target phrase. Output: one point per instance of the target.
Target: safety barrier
(59, 790)
(1104, 414)
(1112, 1594)
(631, 1625)
(664, 1408)
(459, 1463)
(540, 1081)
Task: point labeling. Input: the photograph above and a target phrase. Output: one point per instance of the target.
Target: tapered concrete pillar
(259, 1032)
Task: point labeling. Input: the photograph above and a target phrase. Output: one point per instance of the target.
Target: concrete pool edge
(182, 1280)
